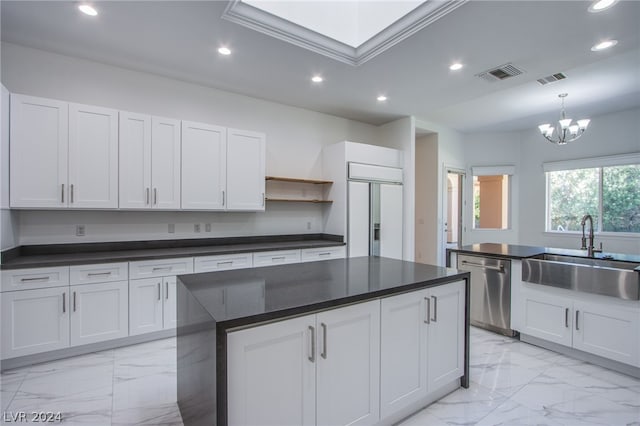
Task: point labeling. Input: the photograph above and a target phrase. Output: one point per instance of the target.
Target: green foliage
(574, 193)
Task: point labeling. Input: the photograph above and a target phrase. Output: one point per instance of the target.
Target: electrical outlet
(207, 227)
(80, 229)
(196, 227)
(172, 228)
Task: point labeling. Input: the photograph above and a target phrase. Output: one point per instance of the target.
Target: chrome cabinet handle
(427, 303)
(155, 196)
(166, 287)
(323, 354)
(64, 303)
(263, 199)
(161, 268)
(62, 200)
(71, 196)
(159, 290)
(577, 316)
(435, 309)
(34, 279)
(278, 258)
(223, 198)
(566, 317)
(325, 254)
(312, 357)
(228, 262)
(74, 301)
(99, 274)
(478, 265)
(147, 196)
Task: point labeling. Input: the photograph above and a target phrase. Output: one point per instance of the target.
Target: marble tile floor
(512, 383)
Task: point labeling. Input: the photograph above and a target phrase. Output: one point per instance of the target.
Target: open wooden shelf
(300, 200)
(297, 180)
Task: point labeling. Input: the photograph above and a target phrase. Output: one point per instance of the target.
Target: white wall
(492, 149)
(609, 134)
(615, 133)
(295, 138)
(427, 191)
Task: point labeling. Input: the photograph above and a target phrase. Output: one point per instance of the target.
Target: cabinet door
(204, 162)
(271, 374)
(99, 312)
(546, 316)
(403, 351)
(391, 221)
(445, 340)
(607, 330)
(169, 302)
(38, 152)
(135, 161)
(245, 170)
(348, 371)
(358, 219)
(34, 321)
(145, 305)
(165, 163)
(93, 157)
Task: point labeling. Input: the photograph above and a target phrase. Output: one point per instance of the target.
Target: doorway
(454, 184)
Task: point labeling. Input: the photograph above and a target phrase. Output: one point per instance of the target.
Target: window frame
(588, 163)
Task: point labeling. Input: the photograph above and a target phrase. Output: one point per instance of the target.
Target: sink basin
(590, 275)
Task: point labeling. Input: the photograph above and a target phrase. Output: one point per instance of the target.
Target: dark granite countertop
(246, 296)
(511, 251)
(88, 253)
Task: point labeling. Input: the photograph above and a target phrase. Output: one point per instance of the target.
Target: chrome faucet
(590, 249)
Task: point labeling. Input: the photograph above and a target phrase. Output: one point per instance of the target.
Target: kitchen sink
(591, 275)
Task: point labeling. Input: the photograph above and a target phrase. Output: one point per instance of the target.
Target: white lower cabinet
(317, 369)
(34, 321)
(599, 325)
(99, 312)
(422, 344)
(152, 304)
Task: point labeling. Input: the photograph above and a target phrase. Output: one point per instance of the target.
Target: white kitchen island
(349, 341)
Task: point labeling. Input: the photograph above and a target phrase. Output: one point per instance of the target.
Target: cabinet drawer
(160, 268)
(279, 257)
(27, 279)
(323, 253)
(222, 262)
(101, 273)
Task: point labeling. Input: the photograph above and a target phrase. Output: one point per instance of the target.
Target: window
(491, 197)
(610, 193)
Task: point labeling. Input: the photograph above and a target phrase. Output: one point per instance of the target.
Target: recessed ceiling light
(224, 51)
(317, 79)
(456, 66)
(382, 98)
(604, 45)
(87, 10)
(600, 5)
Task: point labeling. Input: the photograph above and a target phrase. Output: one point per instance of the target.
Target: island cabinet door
(546, 316)
(271, 374)
(145, 305)
(446, 334)
(348, 371)
(607, 330)
(403, 351)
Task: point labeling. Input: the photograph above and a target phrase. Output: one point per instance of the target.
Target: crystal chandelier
(566, 132)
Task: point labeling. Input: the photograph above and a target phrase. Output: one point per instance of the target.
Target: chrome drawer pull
(577, 316)
(166, 286)
(427, 303)
(435, 309)
(162, 268)
(478, 265)
(99, 274)
(71, 197)
(74, 301)
(566, 317)
(324, 340)
(229, 262)
(62, 200)
(278, 258)
(64, 303)
(34, 279)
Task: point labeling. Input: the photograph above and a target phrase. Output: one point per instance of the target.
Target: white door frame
(442, 231)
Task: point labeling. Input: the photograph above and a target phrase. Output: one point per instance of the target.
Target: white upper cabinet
(93, 157)
(204, 153)
(63, 155)
(39, 152)
(245, 170)
(149, 162)
(222, 169)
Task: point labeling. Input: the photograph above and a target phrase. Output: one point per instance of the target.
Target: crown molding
(274, 26)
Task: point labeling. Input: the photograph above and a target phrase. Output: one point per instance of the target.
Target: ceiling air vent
(500, 73)
(551, 78)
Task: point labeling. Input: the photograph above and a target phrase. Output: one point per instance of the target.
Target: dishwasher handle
(479, 265)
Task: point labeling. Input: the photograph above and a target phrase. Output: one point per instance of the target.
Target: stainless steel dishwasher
(490, 292)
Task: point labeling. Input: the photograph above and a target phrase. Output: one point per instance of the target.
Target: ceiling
(179, 39)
